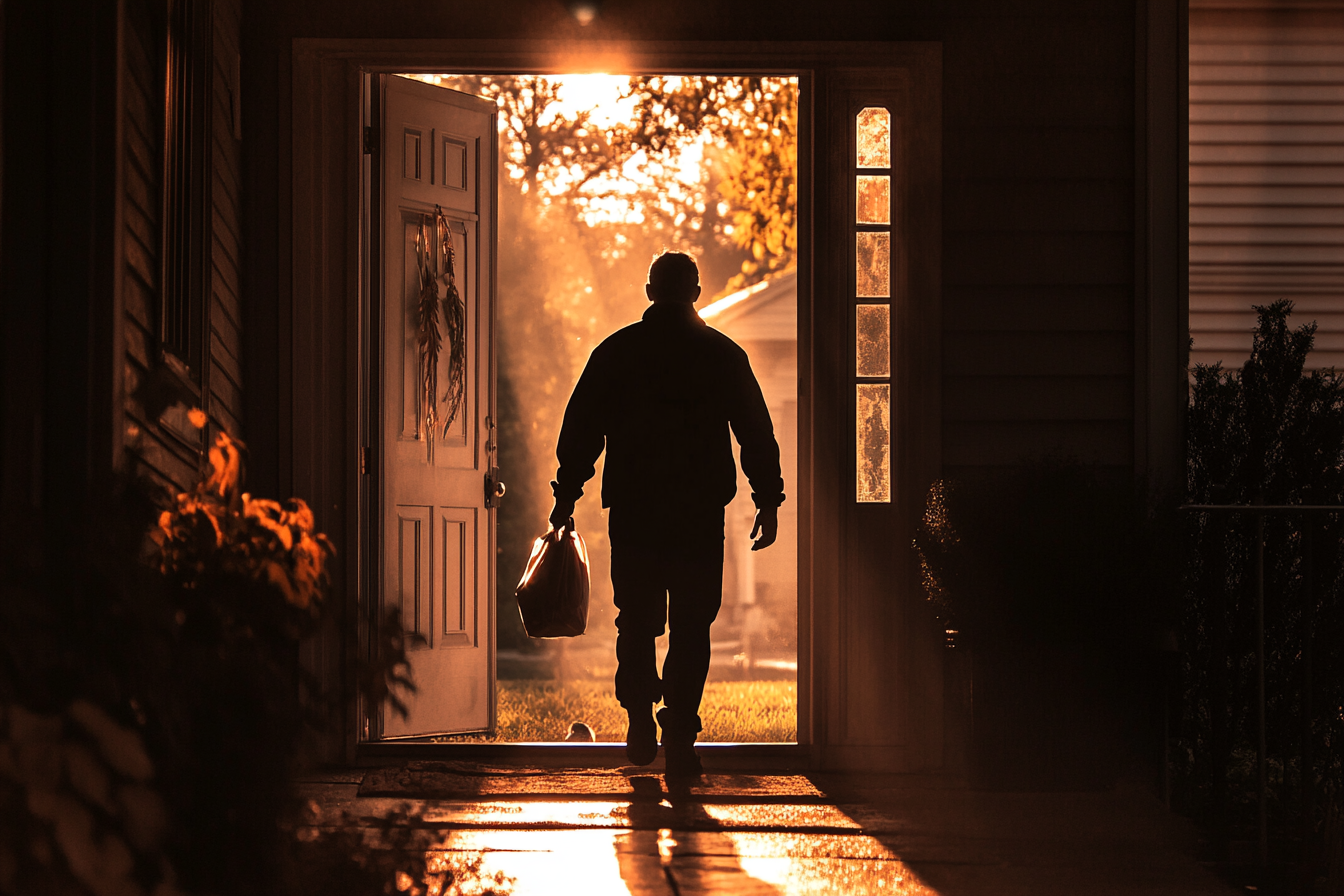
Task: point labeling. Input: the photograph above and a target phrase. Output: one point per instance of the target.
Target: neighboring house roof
(764, 311)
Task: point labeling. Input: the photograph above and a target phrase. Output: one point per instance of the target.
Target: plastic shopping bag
(553, 593)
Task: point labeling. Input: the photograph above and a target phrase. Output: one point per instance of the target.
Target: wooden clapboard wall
(1038, 212)
(143, 64)
(165, 447)
(226, 328)
(1266, 172)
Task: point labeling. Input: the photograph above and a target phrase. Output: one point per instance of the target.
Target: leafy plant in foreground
(153, 708)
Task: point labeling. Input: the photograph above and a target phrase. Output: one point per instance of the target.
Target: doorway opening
(597, 174)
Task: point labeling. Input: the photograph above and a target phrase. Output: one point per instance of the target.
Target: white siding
(1266, 176)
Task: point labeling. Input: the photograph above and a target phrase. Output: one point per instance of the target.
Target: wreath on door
(428, 335)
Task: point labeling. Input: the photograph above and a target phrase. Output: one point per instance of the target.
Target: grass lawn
(732, 711)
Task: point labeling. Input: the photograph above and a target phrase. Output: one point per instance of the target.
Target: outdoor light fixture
(584, 10)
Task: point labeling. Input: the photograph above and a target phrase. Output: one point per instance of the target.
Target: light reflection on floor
(789, 816)
(746, 835)
(639, 860)
(867, 866)
(545, 862)
(619, 814)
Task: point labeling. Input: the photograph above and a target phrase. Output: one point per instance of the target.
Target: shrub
(1269, 433)
(152, 703)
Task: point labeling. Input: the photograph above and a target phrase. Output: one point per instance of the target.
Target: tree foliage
(541, 145)
(753, 123)
(745, 199)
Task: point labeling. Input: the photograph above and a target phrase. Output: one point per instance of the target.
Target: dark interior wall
(57, 260)
(1039, 193)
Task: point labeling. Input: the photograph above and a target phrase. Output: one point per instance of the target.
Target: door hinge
(370, 140)
(363, 460)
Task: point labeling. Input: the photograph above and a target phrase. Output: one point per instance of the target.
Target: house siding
(156, 450)
(224, 348)
(1266, 174)
(1038, 243)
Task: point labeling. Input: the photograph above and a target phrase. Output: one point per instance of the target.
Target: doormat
(452, 780)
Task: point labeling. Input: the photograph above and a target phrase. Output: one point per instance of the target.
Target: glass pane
(874, 138)
(872, 424)
(872, 340)
(872, 203)
(872, 265)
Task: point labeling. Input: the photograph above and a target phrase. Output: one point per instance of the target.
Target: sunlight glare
(610, 197)
(545, 863)
(597, 93)
(802, 865)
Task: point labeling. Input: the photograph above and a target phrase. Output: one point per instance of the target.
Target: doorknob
(494, 489)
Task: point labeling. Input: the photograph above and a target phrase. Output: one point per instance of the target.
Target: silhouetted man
(661, 396)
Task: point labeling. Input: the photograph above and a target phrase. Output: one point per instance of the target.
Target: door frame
(322, 413)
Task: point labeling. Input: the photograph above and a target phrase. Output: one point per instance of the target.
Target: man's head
(673, 277)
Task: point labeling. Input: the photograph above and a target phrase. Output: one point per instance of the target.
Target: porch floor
(624, 831)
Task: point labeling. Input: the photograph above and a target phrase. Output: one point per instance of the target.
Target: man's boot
(679, 749)
(641, 735)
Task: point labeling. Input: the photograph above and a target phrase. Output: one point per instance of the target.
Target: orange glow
(688, 845)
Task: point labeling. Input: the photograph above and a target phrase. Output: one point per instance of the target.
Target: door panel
(412, 547)
(458, 537)
(438, 533)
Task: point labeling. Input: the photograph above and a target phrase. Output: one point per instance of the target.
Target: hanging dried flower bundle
(427, 327)
(427, 332)
(455, 315)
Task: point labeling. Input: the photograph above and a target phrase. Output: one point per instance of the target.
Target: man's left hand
(561, 513)
(767, 526)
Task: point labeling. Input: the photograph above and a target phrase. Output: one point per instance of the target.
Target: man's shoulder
(642, 333)
(723, 341)
(622, 337)
(723, 346)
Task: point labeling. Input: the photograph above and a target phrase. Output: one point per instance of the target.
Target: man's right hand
(561, 514)
(766, 526)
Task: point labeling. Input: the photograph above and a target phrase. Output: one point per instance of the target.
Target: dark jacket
(660, 395)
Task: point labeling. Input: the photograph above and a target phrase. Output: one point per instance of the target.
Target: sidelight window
(872, 320)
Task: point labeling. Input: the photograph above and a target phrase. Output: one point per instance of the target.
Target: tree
(753, 123)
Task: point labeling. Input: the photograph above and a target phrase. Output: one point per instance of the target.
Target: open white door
(437, 538)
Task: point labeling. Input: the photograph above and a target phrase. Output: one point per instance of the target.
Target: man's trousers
(666, 569)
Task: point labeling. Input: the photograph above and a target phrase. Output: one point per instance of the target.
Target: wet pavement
(625, 831)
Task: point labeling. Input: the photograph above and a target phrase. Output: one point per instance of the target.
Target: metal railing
(1260, 511)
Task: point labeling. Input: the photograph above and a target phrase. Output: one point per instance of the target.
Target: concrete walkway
(624, 831)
